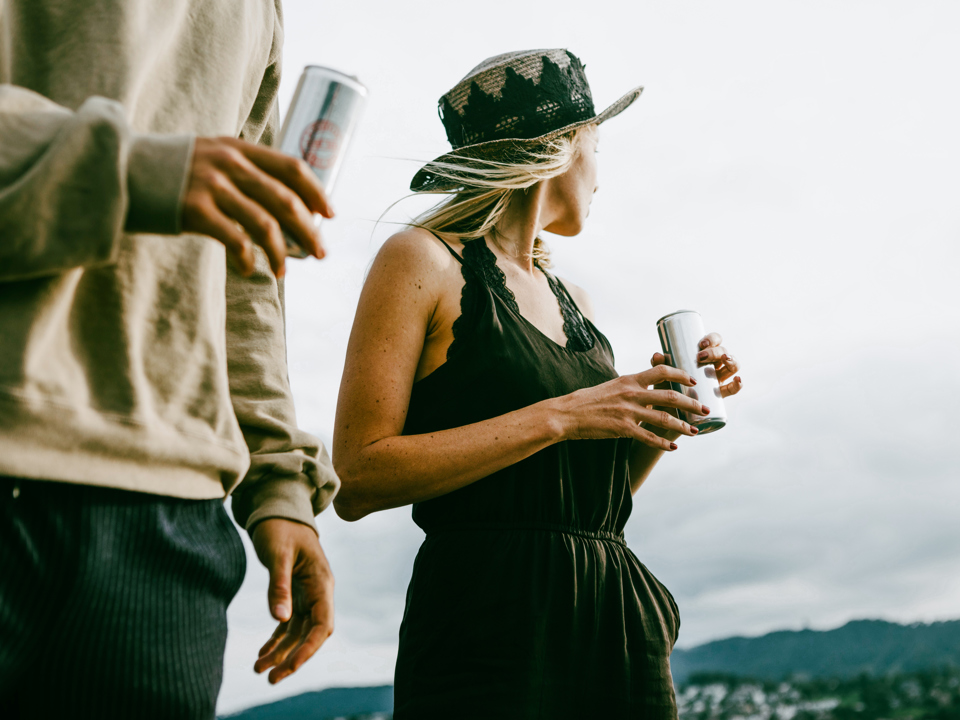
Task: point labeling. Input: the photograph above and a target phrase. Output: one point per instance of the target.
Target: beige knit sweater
(130, 355)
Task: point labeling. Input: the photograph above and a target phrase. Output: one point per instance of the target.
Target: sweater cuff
(158, 168)
(287, 498)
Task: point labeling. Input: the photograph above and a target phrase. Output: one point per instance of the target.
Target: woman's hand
(617, 408)
(713, 353)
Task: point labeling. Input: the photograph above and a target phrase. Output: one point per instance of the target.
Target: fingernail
(673, 446)
(701, 356)
(737, 378)
(280, 611)
(704, 410)
(694, 430)
(725, 358)
(703, 343)
(693, 381)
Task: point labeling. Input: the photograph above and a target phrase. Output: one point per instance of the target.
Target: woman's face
(568, 196)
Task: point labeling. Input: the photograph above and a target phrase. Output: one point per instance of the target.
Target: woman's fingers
(665, 419)
(731, 388)
(710, 340)
(663, 373)
(711, 355)
(652, 440)
(727, 367)
(657, 359)
(672, 399)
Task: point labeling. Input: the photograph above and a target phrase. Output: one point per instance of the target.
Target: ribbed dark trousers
(112, 603)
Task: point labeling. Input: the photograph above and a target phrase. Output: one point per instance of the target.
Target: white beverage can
(680, 335)
(319, 124)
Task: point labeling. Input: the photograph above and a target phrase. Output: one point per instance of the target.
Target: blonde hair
(485, 186)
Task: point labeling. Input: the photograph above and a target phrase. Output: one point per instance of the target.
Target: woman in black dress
(477, 388)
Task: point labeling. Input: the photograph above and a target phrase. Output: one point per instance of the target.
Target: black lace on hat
(516, 98)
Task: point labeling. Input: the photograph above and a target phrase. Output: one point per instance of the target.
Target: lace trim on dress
(469, 300)
(479, 263)
(482, 260)
(579, 337)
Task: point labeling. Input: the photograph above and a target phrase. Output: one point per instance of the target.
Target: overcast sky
(792, 171)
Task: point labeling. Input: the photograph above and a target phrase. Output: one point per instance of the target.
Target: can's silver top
(678, 312)
(342, 77)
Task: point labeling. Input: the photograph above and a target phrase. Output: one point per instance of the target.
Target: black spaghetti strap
(452, 251)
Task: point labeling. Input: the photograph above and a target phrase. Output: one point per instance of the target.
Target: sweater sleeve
(71, 182)
(291, 475)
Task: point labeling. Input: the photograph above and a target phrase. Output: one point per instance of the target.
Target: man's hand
(300, 595)
(240, 194)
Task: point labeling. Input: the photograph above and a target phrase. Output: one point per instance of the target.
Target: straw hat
(517, 100)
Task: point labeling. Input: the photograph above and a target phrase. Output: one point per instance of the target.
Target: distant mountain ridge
(325, 705)
(875, 647)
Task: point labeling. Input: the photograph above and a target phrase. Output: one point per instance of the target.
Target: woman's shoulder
(416, 248)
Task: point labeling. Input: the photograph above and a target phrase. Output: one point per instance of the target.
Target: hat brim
(427, 181)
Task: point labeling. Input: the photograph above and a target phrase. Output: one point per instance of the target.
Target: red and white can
(319, 124)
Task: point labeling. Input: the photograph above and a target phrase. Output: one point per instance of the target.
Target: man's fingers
(282, 203)
(278, 594)
(290, 639)
(208, 219)
(260, 225)
(270, 644)
(316, 636)
(295, 174)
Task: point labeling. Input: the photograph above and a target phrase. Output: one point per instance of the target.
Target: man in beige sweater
(142, 375)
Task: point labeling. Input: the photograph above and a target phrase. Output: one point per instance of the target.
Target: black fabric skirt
(534, 622)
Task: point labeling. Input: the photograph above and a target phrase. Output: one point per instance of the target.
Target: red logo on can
(319, 144)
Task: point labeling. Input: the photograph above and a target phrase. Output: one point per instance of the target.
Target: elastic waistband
(527, 527)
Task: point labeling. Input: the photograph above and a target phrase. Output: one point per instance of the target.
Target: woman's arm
(645, 456)
(401, 310)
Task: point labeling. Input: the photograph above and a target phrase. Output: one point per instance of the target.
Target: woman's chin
(567, 229)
